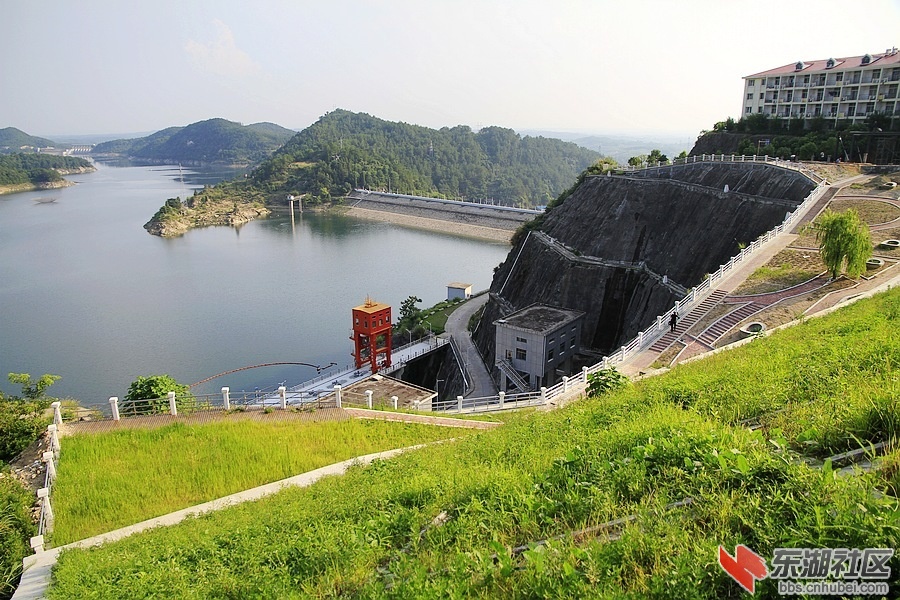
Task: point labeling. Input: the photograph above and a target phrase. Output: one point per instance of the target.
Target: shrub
(15, 530)
(147, 395)
(605, 381)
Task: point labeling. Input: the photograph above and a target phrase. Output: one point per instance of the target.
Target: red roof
(890, 58)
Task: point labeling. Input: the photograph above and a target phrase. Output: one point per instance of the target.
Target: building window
(759, 109)
(762, 95)
(521, 340)
(550, 355)
(751, 82)
(750, 96)
(520, 353)
(572, 343)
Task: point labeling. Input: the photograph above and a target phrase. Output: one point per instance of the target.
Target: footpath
(726, 303)
(37, 567)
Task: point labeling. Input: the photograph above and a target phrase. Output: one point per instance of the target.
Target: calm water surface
(87, 294)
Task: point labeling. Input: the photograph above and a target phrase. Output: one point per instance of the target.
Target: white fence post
(459, 401)
(173, 410)
(502, 396)
(57, 415)
(44, 495)
(369, 399)
(337, 396)
(226, 397)
(394, 401)
(566, 383)
(282, 394)
(51, 466)
(37, 544)
(584, 374)
(114, 407)
(543, 395)
(54, 439)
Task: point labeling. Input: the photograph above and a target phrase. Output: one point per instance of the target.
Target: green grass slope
(464, 520)
(181, 466)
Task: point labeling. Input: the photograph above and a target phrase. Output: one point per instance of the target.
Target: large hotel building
(836, 88)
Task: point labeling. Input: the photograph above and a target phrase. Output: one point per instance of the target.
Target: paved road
(480, 382)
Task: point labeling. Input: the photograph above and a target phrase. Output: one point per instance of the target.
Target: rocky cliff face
(624, 249)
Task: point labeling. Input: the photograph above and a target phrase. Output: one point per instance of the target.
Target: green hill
(624, 495)
(212, 141)
(345, 150)
(38, 169)
(13, 140)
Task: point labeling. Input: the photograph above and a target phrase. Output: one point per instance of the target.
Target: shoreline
(464, 229)
(33, 187)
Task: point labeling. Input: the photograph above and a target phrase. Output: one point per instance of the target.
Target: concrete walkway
(477, 376)
(36, 568)
(641, 362)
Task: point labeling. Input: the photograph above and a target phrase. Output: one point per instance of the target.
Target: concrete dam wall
(484, 215)
(624, 249)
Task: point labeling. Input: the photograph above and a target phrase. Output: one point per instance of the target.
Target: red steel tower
(371, 335)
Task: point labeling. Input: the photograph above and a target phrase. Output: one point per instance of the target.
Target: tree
(843, 239)
(22, 419)
(637, 161)
(409, 313)
(148, 395)
(656, 156)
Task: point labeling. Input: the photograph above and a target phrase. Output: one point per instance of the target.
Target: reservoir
(86, 293)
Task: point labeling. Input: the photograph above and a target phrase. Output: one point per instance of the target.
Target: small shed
(459, 290)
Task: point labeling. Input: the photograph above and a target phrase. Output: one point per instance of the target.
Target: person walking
(673, 321)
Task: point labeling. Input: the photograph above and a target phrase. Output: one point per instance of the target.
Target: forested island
(214, 141)
(345, 150)
(31, 171)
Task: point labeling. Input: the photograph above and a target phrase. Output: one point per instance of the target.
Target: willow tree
(843, 239)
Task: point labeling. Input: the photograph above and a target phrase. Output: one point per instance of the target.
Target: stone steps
(688, 321)
(723, 325)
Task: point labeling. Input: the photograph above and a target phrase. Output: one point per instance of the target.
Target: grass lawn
(786, 269)
(465, 520)
(112, 480)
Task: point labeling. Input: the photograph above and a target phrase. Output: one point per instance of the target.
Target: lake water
(88, 294)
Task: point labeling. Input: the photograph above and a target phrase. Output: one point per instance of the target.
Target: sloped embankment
(676, 223)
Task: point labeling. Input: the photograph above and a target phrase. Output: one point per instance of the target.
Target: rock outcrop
(624, 249)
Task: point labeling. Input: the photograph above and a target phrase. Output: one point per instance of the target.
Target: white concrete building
(460, 290)
(835, 88)
(535, 346)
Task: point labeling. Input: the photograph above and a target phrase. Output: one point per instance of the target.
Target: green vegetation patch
(466, 520)
(786, 269)
(112, 480)
(16, 528)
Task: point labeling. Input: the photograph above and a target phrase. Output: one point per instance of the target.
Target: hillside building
(843, 89)
(534, 345)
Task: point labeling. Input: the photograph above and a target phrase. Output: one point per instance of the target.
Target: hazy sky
(624, 66)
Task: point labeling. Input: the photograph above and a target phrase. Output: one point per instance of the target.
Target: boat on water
(45, 199)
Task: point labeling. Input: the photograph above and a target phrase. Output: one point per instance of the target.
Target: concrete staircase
(721, 327)
(687, 321)
(510, 371)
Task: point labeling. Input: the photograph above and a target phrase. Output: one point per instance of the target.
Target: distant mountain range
(621, 147)
(15, 140)
(211, 141)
